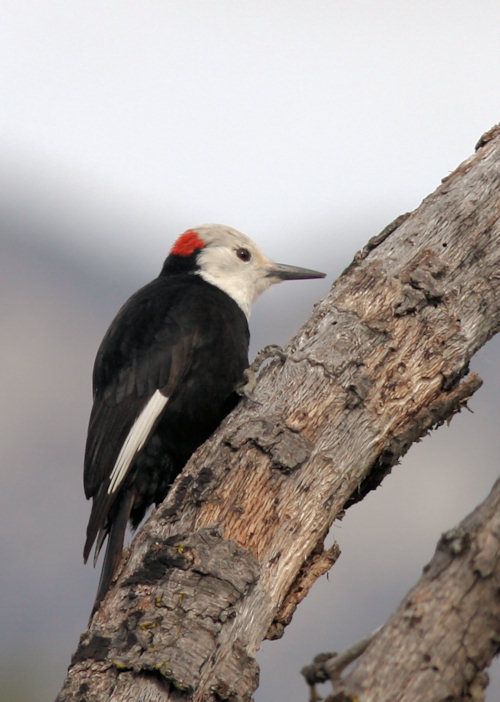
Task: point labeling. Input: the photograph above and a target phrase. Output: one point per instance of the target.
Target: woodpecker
(166, 374)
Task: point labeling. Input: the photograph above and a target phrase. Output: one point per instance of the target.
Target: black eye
(243, 254)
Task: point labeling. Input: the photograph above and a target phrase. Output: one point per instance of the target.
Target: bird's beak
(280, 271)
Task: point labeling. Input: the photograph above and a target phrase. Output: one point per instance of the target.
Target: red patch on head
(187, 244)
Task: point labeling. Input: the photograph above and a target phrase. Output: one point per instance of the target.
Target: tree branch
(375, 367)
(412, 658)
(329, 666)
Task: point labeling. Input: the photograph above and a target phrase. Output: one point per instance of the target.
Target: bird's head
(230, 260)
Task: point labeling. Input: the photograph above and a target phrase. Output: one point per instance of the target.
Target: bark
(236, 545)
(412, 659)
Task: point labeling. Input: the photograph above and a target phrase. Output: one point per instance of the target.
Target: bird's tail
(114, 548)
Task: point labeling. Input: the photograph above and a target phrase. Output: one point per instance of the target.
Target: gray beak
(281, 271)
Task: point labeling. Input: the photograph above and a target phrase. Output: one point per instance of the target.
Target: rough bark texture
(238, 541)
(412, 659)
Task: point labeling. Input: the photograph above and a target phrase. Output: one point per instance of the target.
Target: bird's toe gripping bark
(249, 381)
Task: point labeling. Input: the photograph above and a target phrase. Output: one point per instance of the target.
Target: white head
(231, 261)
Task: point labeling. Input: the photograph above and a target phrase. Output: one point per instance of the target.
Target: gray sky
(307, 125)
(285, 119)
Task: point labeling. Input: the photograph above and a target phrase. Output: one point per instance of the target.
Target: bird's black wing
(140, 364)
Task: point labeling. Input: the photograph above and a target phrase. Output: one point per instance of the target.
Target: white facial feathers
(224, 263)
(136, 438)
(235, 264)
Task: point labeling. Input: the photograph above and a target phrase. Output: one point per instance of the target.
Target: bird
(165, 375)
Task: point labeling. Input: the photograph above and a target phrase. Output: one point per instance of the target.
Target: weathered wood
(412, 659)
(377, 365)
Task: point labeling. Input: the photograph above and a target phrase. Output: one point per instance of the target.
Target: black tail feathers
(114, 548)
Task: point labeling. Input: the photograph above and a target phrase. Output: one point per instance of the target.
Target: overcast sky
(295, 121)
(307, 125)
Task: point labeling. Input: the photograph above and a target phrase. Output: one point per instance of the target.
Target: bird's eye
(243, 254)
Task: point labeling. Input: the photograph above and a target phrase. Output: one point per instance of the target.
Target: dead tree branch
(226, 558)
(414, 659)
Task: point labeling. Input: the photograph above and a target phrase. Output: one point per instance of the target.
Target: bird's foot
(247, 386)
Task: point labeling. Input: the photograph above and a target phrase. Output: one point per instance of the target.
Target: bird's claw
(247, 386)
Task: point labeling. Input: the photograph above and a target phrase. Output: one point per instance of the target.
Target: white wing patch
(136, 439)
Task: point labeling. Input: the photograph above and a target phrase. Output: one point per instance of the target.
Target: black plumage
(186, 338)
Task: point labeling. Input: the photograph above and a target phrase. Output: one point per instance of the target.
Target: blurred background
(309, 126)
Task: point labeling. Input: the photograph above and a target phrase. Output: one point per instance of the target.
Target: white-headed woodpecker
(166, 374)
